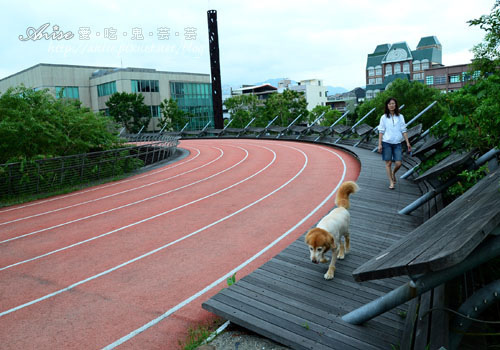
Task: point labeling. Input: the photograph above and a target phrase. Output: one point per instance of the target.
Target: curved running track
(128, 264)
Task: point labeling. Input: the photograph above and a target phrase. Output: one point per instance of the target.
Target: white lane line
(96, 188)
(117, 208)
(230, 273)
(147, 219)
(110, 195)
(121, 207)
(168, 244)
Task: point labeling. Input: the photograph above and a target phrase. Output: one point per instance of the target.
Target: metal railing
(48, 175)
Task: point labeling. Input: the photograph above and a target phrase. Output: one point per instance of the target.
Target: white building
(314, 92)
(94, 85)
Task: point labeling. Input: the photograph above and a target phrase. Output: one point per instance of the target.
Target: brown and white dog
(327, 234)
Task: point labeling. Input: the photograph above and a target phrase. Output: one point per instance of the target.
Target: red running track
(128, 264)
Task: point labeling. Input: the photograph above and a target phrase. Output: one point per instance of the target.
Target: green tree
(242, 108)
(328, 118)
(173, 118)
(129, 110)
(287, 105)
(487, 53)
(414, 95)
(34, 124)
(473, 118)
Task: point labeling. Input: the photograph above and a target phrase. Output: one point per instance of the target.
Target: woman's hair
(396, 111)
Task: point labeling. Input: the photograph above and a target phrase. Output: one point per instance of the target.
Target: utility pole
(213, 39)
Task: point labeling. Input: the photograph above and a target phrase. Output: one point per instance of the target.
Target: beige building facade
(93, 86)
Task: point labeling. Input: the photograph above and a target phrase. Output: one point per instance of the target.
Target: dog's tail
(342, 199)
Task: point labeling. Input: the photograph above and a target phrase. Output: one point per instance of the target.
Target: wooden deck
(288, 300)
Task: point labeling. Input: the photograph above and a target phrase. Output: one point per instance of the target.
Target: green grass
(198, 334)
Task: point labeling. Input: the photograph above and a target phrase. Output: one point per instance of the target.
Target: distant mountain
(332, 90)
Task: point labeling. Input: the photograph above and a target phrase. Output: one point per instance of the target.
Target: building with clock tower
(392, 61)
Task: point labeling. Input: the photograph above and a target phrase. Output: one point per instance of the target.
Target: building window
(454, 78)
(429, 80)
(425, 64)
(378, 81)
(418, 76)
(371, 81)
(193, 98)
(416, 66)
(155, 111)
(388, 69)
(371, 71)
(406, 67)
(375, 92)
(145, 85)
(369, 94)
(320, 94)
(397, 68)
(476, 75)
(67, 92)
(440, 80)
(378, 70)
(106, 89)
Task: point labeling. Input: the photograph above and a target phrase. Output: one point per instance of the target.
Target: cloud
(259, 39)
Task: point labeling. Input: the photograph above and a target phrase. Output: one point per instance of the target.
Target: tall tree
(34, 124)
(173, 118)
(242, 108)
(414, 95)
(330, 115)
(129, 110)
(487, 53)
(287, 105)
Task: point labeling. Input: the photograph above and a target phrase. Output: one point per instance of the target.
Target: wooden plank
(363, 129)
(408, 336)
(431, 144)
(319, 128)
(298, 307)
(414, 132)
(441, 242)
(341, 129)
(340, 331)
(439, 336)
(276, 299)
(454, 160)
(422, 330)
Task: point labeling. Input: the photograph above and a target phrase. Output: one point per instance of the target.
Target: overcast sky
(259, 39)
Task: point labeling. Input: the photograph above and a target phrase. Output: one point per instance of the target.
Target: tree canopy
(35, 124)
(129, 110)
(487, 53)
(173, 118)
(414, 95)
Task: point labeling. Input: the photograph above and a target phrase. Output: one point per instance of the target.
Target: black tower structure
(213, 39)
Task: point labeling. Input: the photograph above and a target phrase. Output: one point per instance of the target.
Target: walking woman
(392, 131)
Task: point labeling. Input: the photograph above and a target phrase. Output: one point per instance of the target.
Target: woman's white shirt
(392, 128)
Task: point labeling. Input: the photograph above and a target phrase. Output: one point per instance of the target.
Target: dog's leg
(331, 269)
(347, 243)
(341, 253)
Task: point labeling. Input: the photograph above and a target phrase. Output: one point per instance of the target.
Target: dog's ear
(306, 239)
(331, 242)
